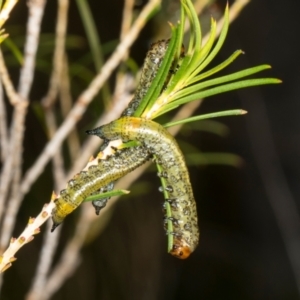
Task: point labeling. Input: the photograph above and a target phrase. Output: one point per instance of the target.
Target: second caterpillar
(162, 144)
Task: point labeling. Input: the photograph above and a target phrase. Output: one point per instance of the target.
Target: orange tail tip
(181, 249)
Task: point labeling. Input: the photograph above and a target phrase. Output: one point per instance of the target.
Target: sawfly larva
(152, 63)
(150, 68)
(162, 144)
(95, 177)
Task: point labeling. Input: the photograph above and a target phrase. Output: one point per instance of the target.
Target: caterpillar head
(57, 218)
(60, 211)
(181, 250)
(56, 221)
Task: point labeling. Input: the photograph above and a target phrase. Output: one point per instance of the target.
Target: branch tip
(12, 259)
(37, 230)
(5, 267)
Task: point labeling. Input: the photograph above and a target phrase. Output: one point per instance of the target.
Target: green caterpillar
(159, 142)
(94, 178)
(150, 68)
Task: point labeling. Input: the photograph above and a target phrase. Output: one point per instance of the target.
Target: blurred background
(248, 209)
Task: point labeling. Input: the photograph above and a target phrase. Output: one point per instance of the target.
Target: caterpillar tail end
(181, 249)
(181, 252)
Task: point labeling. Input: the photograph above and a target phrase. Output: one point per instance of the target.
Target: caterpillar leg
(101, 203)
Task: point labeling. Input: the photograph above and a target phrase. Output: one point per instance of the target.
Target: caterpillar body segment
(94, 178)
(159, 142)
(150, 68)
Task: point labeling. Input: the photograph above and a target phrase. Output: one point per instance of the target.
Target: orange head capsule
(181, 251)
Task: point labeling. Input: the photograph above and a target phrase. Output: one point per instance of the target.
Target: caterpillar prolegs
(94, 178)
(159, 142)
(101, 203)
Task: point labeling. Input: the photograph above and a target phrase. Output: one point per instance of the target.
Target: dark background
(248, 216)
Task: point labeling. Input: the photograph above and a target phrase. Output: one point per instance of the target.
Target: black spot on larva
(63, 192)
(169, 188)
(173, 203)
(188, 226)
(150, 68)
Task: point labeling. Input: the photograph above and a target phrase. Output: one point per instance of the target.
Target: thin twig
(69, 262)
(36, 12)
(36, 9)
(126, 18)
(51, 241)
(12, 144)
(3, 127)
(91, 144)
(33, 227)
(6, 10)
(13, 97)
(86, 97)
(46, 257)
(34, 224)
(120, 99)
(58, 162)
(66, 105)
(59, 53)
(125, 27)
(8, 169)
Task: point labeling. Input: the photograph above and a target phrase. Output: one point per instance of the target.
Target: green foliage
(106, 195)
(190, 83)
